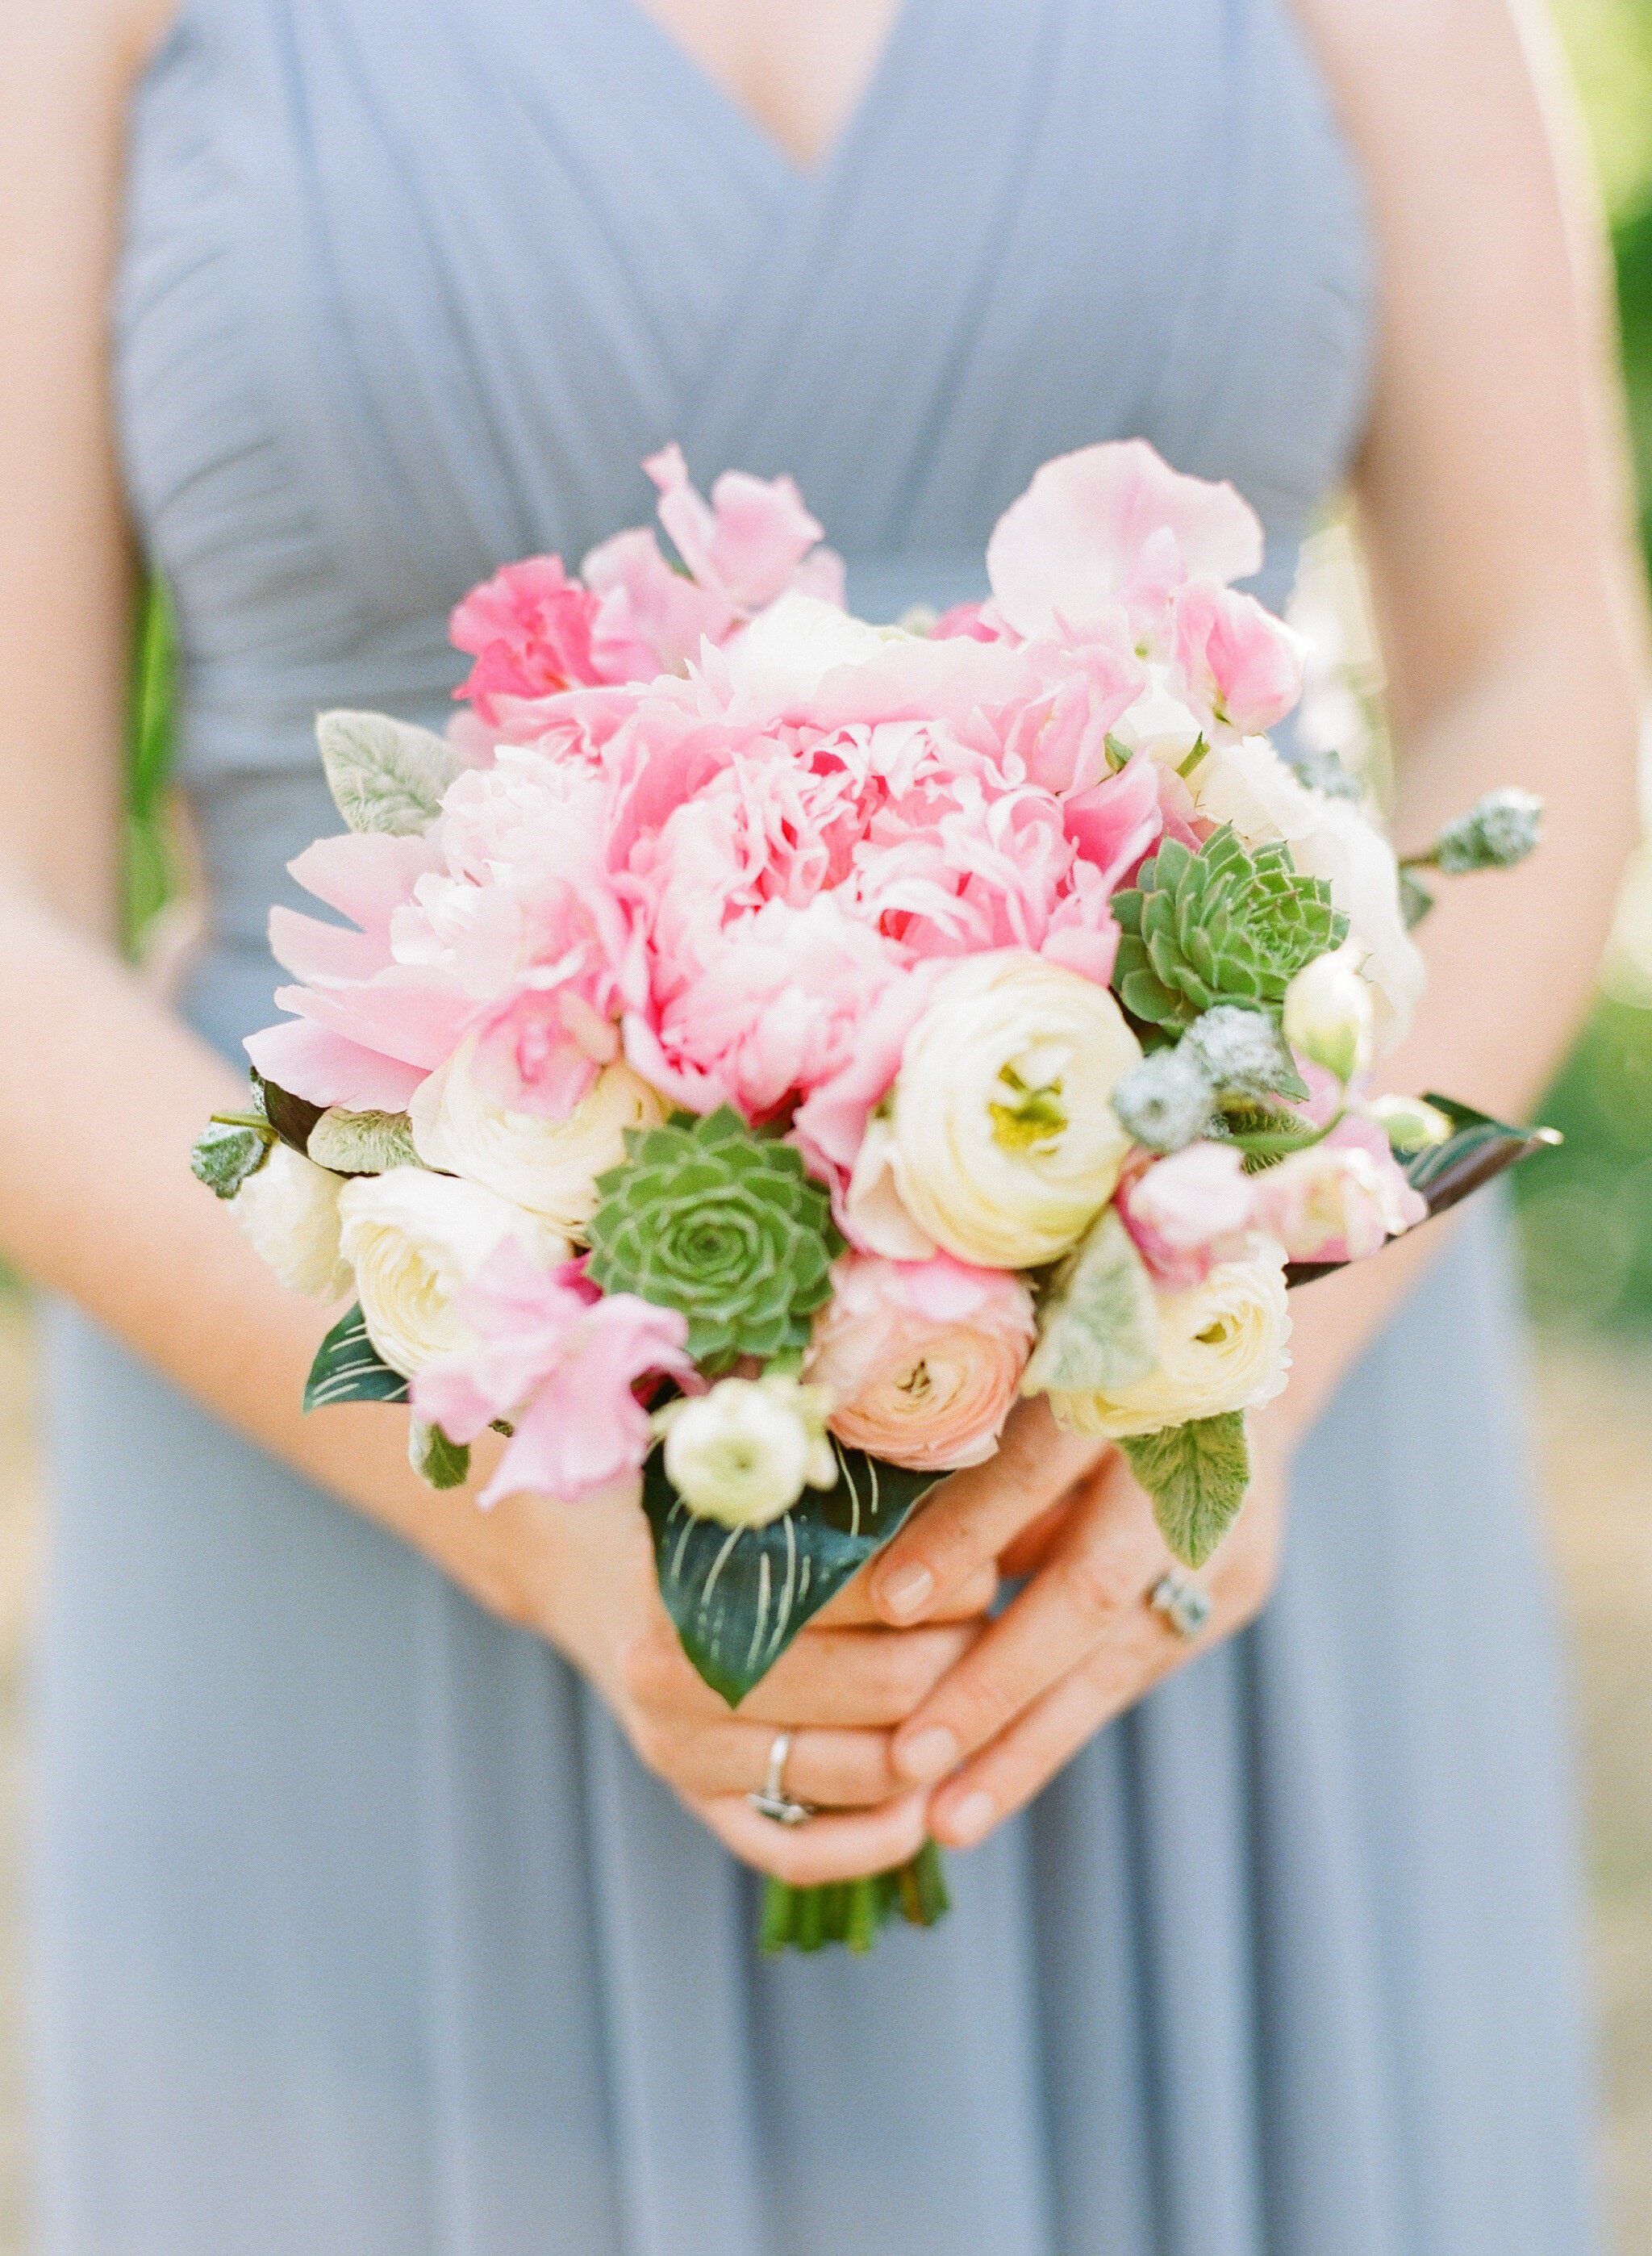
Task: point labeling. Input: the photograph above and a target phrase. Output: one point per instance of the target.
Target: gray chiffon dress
(359, 1930)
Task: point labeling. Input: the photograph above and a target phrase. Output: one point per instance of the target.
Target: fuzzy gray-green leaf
(363, 1143)
(434, 1458)
(1197, 1476)
(385, 775)
(1098, 1329)
(226, 1154)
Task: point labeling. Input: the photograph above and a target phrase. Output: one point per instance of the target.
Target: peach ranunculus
(922, 1358)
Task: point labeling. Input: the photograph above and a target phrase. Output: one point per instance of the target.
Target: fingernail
(931, 1755)
(973, 1816)
(905, 1593)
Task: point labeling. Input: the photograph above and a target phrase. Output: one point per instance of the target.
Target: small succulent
(1228, 924)
(708, 1218)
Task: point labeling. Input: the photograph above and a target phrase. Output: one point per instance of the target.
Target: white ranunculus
(550, 1167)
(290, 1210)
(415, 1239)
(1251, 786)
(1222, 1346)
(743, 1453)
(1005, 1144)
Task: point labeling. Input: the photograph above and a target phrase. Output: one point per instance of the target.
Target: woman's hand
(1080, 1643)
(583, 1577)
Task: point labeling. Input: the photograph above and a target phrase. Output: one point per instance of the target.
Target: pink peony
(1340, 1200)
(1109, 534)
(922, 1358)
(562, 1364)
(529, 630)
(1188, 1212)
(1238, 667)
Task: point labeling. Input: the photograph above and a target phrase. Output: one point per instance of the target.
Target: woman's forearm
(1511, 955)
(102, 1093)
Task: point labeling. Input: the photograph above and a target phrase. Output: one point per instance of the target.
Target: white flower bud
(1328, 1015)
(744, 1453)
(1411, 1123)
(290, 1210)
(415, 1240)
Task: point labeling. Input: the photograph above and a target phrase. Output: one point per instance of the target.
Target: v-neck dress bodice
(360, 1931)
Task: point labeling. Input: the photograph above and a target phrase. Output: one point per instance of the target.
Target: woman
(362, 1926)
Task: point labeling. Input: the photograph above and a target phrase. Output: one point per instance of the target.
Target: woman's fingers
(1100, 1568)
(857, 1676)
(827, 1848)
(852, 1607)
(975, 1515)
(839, 1769)
(1018, 1764)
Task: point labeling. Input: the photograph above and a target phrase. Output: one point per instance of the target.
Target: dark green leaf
(226, 1153)
(1197, 1476)
(434, 1458)
(290, 1116)
(348, 1368)
(1416, 899)
(739, 1596)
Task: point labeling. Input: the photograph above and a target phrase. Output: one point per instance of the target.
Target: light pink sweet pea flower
(1236, 665)
(1188, 1212)
(649, 620)
(1340, 1201)
(921, 1360)
(529, 630)
(750, 542)
(562, 1364)
(1114, 527)
(965, 623)
(830, 1126)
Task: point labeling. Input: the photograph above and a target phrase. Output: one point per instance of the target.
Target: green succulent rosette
(1228, 924)
(709, 1218)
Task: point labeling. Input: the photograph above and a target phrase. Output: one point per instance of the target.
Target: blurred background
(1585, 1218)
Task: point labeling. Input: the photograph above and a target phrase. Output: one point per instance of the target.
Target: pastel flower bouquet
(760, 1046)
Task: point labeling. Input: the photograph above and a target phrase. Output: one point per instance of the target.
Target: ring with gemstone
(772, 1800)
(1181, 1602)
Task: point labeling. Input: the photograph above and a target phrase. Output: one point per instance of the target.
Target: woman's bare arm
(1495, 499)
(101, 1089)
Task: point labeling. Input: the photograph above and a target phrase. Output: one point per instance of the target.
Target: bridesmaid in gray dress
(360, 1930)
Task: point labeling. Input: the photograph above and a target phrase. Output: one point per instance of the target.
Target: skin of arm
(102, 1089)
(1495, 501)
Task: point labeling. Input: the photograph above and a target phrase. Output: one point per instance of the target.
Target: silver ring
(773, 1802)
(1181, 1602)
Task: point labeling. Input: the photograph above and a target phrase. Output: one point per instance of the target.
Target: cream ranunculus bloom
(290, 1210)
(1004, 1145)
(415, 1239)
(1222, 1346)
(550, 1167)
(1250, 785)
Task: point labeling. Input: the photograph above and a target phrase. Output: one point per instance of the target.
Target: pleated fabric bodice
(410, 286)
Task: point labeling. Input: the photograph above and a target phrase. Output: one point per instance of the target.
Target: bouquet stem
(852, 1912)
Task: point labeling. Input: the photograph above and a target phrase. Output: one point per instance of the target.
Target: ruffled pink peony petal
(365, 875)
(310, 949)
(315, 1063)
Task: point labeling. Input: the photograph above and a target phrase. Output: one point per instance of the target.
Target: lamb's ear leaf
(1478, 1150)
(1098, 1328)
(348, 1368)
(385, 775)
(363, 1143)
(226, 1154)
(738, 1595)
(434, 1458)
(1197, 1476)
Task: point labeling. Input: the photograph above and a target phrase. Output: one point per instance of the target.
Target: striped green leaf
(348, 1368)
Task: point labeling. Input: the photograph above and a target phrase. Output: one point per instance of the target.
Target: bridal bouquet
(762, 1044)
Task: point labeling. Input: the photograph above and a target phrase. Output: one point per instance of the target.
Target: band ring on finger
(772, 1800)
(1179, 1601)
